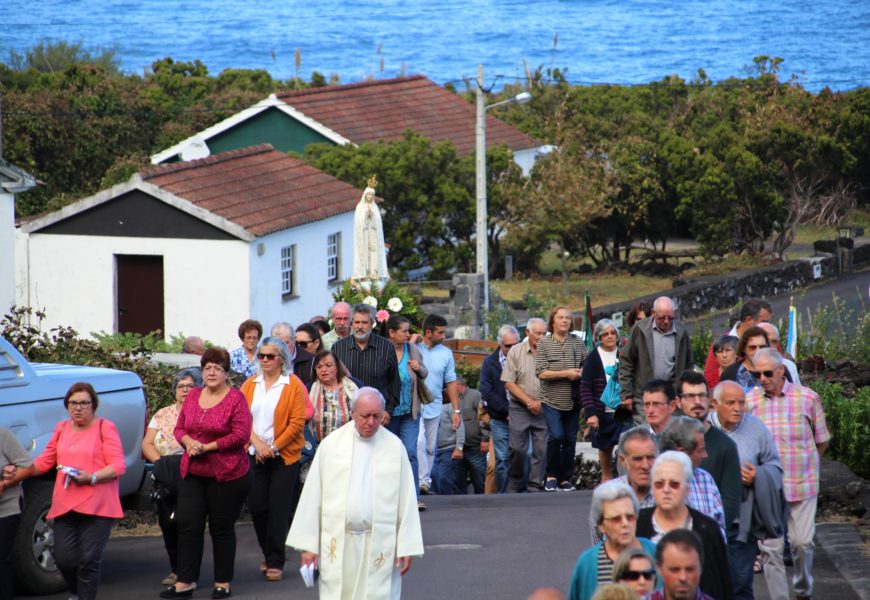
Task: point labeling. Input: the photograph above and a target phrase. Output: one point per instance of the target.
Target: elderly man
(722, 461)
(679, 556)
(754, 311)
(193, 344)
(495, 396)
(794, 416)
(658, 348)
(442, 376)
(303, 361)
(473, 464)
(524, 409)
(761, 478)
(357, 520)
(773, 339)
(340, 325)
(614, 510)
(370, 357)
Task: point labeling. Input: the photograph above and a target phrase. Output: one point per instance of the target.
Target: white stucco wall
(7, 250)
(314, 291)
(526, 158)
(206, 291)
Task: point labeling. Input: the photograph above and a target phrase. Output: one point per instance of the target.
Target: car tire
(35, 570)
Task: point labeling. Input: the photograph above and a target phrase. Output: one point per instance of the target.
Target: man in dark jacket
(303, 362)
(496, 399)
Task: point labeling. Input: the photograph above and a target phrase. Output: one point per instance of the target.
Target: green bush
(132, 342)
(828, 332)
(22, 327)
(849, 423)
(469, 372)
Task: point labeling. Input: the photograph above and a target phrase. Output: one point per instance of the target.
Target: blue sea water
(824, 43)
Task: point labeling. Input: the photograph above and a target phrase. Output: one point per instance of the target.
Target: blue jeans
(741, 555)
(444, 473)
(562, 428)
(473, 465)
(500, 441)
(407, 428)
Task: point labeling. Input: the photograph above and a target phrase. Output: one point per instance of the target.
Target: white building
(12, 181)
(193, 247)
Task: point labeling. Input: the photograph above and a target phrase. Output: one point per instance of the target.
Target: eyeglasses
(674, 485)
(508, 346)
(758, 374)
(756, 346)
(185, 386)
(77, 404)
(649, 575)
(213, 368)
(304, 343)
(628, 518)
(267, 356)
(665, 317)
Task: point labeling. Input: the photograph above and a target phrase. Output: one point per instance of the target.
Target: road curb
(843, 545)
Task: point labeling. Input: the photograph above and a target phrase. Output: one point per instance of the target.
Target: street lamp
(480, 184)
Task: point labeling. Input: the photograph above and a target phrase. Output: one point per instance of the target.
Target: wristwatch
(456, 411)
(93, 479)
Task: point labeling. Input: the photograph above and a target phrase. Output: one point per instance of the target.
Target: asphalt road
(477, 547)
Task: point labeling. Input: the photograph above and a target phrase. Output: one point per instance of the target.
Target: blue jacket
(584, 581)
(492, 387)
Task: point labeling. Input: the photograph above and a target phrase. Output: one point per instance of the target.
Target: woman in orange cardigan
(278, 401)
(89, 458)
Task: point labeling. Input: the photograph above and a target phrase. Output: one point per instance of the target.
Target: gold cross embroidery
(332, 547)
(380, 560)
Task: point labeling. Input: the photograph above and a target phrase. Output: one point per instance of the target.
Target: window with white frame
(333, 251)
(288, 270)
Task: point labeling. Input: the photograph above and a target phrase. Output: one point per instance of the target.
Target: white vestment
(369, 251)
(358, 513)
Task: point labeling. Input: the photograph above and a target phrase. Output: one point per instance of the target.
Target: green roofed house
(356, 113)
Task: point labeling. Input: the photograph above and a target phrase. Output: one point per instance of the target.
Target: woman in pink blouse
(213, 426)
(87, 452)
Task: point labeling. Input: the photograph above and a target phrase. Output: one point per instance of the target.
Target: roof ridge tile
(225, 156)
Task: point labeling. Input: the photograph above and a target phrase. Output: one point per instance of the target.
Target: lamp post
(480, 182)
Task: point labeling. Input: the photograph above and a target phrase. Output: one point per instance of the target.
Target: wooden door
(139, 293)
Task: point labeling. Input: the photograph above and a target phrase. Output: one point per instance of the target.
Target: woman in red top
(213, 426)
(84, 505)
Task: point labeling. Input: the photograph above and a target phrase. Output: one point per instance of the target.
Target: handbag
(309, 446)
(423, 392)
(610, 396)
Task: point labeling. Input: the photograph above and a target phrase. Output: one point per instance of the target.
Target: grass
(604, 289)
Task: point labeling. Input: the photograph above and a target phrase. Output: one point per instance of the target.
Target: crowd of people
(707, 477)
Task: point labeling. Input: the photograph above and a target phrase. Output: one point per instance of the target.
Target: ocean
(593, 41)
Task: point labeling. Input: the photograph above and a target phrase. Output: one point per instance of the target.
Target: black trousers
(167, 518)
(202, 499)
(270, 503)
(8, 527)
(79, 541)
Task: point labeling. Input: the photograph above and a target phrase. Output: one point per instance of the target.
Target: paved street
(477, 547)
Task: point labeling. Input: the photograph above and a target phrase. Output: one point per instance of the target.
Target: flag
(590, 342)
(791, 342)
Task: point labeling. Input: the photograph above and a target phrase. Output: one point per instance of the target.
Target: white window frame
(288, 271)
(333, 257)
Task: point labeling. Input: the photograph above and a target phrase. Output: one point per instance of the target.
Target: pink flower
(382, 315)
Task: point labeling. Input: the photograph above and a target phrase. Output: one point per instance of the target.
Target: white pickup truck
(31, 404)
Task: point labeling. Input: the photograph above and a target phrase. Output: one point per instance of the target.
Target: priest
(357, 520)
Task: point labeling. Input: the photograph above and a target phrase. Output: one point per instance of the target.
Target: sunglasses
(649, 575)
(628, 518)
(304, 343)
(267, 356)
(758, 374)
(756, 346)
(674, 485)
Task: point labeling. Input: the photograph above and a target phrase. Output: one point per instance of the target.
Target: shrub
(849, 423)
(828, 332)
(469, 372)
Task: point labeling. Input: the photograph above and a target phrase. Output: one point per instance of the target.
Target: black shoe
(220, 591)
(171, 593)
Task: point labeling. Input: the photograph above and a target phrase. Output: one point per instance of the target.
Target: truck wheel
(35, 570)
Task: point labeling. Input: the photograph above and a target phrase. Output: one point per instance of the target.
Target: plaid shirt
(660, 595)
(796, 421)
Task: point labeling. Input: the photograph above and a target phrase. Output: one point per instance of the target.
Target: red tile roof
(258, 188)
(384, 109)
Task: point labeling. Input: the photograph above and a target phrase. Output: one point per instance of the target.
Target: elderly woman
(330, 394)
(750, 342)
(214, 426)
(244, 358)
(614, 509)
(161, 448)
(87, 452)
(277, 399)
(636, 570)
(15, 466)
(606, 422)
(558, 363)
(308, 338)
(671, 474)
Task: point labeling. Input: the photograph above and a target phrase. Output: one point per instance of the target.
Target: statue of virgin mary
(369, 252)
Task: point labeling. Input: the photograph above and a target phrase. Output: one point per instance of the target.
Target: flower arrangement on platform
(393, 299)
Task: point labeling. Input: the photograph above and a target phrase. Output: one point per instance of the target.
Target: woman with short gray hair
(614, 510)
(605, 420)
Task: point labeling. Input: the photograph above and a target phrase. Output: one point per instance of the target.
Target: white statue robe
(358, 513)
(369, 250)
